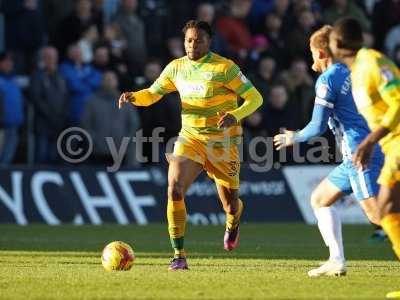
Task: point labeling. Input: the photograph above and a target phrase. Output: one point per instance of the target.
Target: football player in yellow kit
(209, 86)
(376, 90)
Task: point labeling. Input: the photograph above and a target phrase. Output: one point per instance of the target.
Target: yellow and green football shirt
(376, 91)
(207, 87)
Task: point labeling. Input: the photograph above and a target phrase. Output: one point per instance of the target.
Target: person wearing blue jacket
(12, 110)
(82, 81)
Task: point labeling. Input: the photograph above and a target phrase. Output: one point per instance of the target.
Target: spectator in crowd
(101, 118)
(98, 12)
(180, 11)
(12, 110)
(282, 9)
(71, 28)
(103, 61)
(24, 35)
(310, 5)
(174, 48)
(268, 38)
(259, 48)
(133, 31)
(342, 8)
(117, 45)
(49, 94)
(89, 37)
(298, 39)
(276, 42)
(263, 80)
(235, 30)
(206, 13)
(392, 40)
(155, 14)
(265, 75)
(110, 7)
(281, 112)
(300, 86)
(82, 80)
(54, 11)
(101, 58)
(259, 8)
(164, 114)
(112, 36)
(386, 14)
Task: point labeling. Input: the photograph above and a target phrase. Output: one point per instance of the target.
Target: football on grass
(117, 256)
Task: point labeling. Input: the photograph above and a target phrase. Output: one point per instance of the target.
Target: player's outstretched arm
(162, 86)
(140, 98)
(316, 127)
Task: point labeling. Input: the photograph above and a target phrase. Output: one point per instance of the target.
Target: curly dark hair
(198, 25)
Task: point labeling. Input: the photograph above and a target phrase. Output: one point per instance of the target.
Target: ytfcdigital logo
(75, 145)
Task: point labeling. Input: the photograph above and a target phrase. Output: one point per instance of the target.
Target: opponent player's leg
(335, 186)
(233, 208)
(181, 173)
(389, 203)
(330, 227)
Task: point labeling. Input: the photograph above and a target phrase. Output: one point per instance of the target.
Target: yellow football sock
(176, 215)
(391, 224)
(232, 220)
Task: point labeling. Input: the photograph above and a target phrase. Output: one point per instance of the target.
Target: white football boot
(329, 268)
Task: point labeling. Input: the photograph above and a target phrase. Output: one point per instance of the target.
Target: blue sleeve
(317, 125)
(325, 93)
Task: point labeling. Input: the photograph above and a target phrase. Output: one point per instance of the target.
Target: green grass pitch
(41, 262)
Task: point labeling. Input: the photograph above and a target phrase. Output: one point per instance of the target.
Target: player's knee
(317, 200)
(175, 191)
(374, 217)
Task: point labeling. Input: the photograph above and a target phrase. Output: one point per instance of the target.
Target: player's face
(197, 43)
(317, 62)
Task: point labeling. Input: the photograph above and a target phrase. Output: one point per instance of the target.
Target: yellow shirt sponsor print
(208, 86)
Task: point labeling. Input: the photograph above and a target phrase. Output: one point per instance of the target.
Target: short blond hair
(320, 39)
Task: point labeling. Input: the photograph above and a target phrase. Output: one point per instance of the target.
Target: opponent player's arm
(389, 90)
(323, 107)
(387, 84)
(238, 83)
(317, 126)
(390, 93)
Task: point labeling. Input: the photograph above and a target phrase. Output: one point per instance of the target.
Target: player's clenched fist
(226, 120)
(125, 98)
